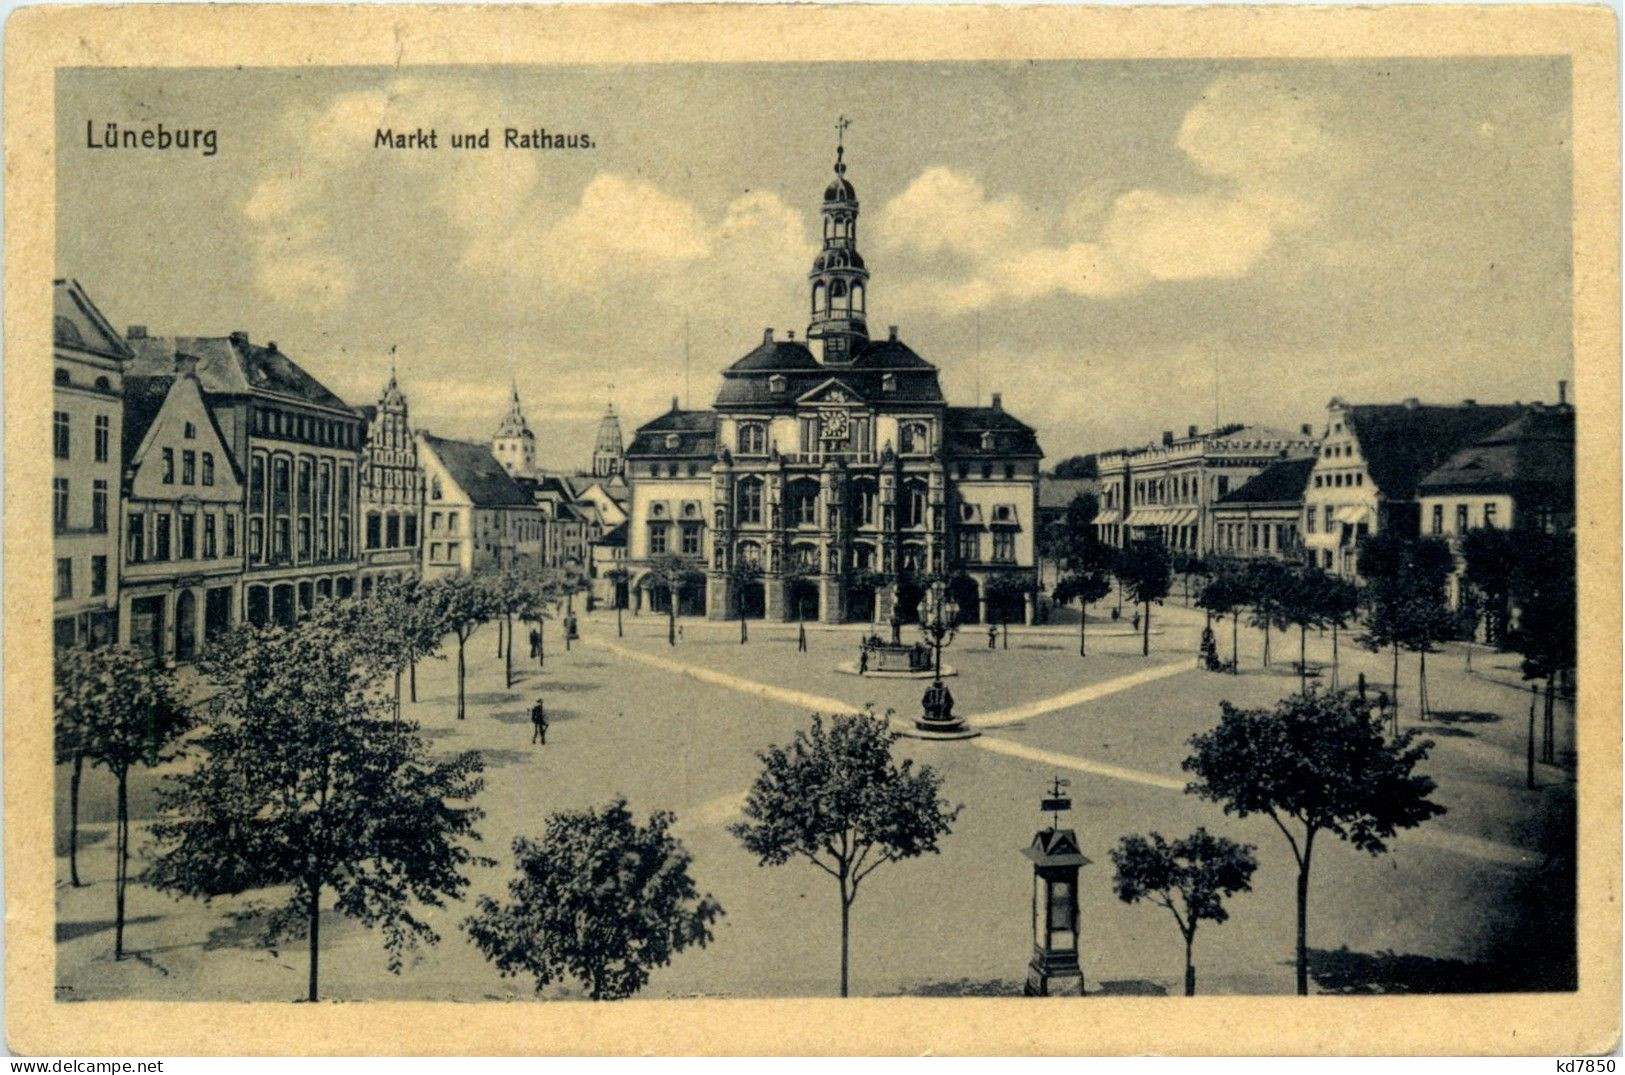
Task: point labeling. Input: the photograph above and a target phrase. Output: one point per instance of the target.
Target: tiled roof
(1282, 483)
(776, 355)
(889, 354)
(78, 323)
(476, 471)
(1534, 450)
(1011, 436)
(232, 365)
(755, 389)
(1402, 442)
(143, 399)
(695, 433)
(616, 535)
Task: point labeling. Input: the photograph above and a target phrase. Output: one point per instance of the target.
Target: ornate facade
(513, 444)
(835, 485)
(391, 492)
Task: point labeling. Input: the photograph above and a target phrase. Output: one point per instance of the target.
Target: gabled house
(476, 517)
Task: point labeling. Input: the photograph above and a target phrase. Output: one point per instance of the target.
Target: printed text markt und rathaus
(512, 138)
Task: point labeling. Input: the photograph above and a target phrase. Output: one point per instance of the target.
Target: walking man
(538, 723)
(801, 637)
(863, 659)
(992, 635)
(535, 642)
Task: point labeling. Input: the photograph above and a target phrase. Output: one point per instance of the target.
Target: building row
(204, 481)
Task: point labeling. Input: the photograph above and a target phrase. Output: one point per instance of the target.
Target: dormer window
(778, 384)
(987, 442)
(914, 438)
(752, 438)
(888, 382)
(672, 441)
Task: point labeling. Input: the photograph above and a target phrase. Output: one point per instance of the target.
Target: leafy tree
(618, 577)
(306, 784)
(1190, 877)
(1225, 594)
(1144, 571)
(507, 592)
(1087, 579)
(121, 709)
(1547, 632)
(1066, 537)
(1077, 466)
(568, 580)
(1317, 762)
(1004, 593)
(74, 667)
(1405, 601)
(384, 623)
(1339, 601)
(422, 627)
(674, 573)
(1268, 584)
(598, 898)
(533, 600)
(741, 575)
(463, 604)
(1493, 562)
(837, 798)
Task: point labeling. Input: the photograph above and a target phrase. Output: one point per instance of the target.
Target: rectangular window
(281, 534)
(188, 536)
(1461, 518)
(104, 436)
(372, 530)
(98, 506)
(1328, 518)
(210, 538)
(304, 537)
(1489, 515)
(256, 539)
(160, 536)
(411, 534)
(1004, 546)
(451, 522)
(1309, 521)
(208, 468)
(231, 534)
(970, 546)
(59, 434)
(454, 550)
(135, 541)
(98, 576)
(169, 466)
(59, 502)
(64, 577)
(691, 539)
(188, 467)
(657, 538)
(392, 531)
(1438, 518)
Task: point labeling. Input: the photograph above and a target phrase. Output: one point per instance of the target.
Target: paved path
(725, 809)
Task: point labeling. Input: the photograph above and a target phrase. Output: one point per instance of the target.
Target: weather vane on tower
(841, 124)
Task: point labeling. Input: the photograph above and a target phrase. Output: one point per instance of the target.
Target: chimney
(891, 333)
(1411, 403)
(1167, 437)
(1469, 403)
(791, 334)
(674, 398)
(767, 335)
(1190, 432)
(1562, 392)
(270, 345)
(1305, 430)
(136, 332)
(998, 401)
(185, 365)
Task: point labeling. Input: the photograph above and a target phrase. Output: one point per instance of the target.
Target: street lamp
(939, 620)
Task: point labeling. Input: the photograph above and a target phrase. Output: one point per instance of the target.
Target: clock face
(834, 423)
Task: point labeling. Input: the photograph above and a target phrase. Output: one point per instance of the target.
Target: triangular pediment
(832, 391)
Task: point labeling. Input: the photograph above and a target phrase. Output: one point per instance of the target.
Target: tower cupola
(839, 281)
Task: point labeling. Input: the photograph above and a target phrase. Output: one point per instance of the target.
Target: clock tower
(838, 279)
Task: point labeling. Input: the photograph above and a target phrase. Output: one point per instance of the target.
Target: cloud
(1263, 165)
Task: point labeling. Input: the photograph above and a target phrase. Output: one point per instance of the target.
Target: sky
(1118, 247)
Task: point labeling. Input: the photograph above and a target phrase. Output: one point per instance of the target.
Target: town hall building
(831, 480)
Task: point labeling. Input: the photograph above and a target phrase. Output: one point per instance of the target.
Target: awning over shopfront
(1109, 518)
(1149, 517)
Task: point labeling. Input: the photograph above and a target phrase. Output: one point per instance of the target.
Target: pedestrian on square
(1136, 621)
(538, 723)
(801, 637)
(992, 635)
(863, 659)
(535, 642)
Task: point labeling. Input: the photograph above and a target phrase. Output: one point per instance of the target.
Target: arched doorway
(802, 597)
(860, 603)
(282, 604)
(751, 600)
(185, 625)
(907, 606)
(259, 605)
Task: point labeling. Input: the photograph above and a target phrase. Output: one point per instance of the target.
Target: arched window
(820, 296)
(857, 298)
(914, 438)
(837, 296)
(61, 376)
(803, 498)
(752, 438)
(863, 503)
(914, 504)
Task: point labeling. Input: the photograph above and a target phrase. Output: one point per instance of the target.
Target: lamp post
(939, 621)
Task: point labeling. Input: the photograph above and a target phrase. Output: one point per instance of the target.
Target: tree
(74, 667)
(1315, 763)
(742, 574)
(1339, 600)
(1003, 593)
(384, 622)
(1087, 579)
(121, 709)
(1405, 601)
(837, 798)
(598, 898)
(1225, 594)
(617, 577)
(1268, 584)
(1065, 538)
(463, 605)
(1190, 877)
(1492, 564)
(305, 786)
(422, 626)
(674, 573)
(1547, 632)
(1077, 466)
(1144, 571)
(507, 593)
(534, 598)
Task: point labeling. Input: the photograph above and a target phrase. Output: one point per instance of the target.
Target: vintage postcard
(812, 530)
